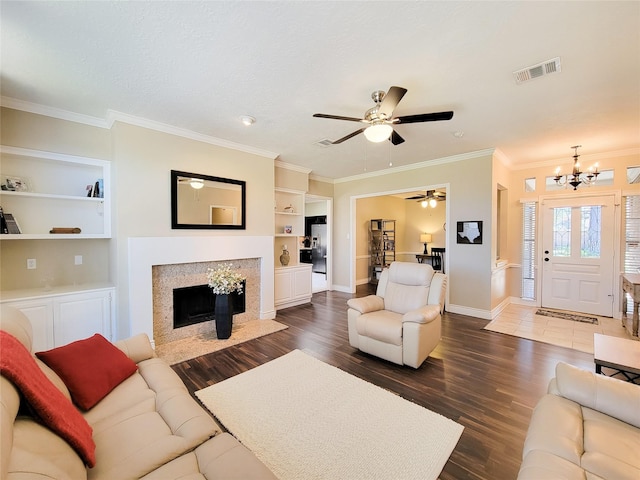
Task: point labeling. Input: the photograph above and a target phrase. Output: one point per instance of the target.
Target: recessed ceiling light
(247, 120)
(458, 134)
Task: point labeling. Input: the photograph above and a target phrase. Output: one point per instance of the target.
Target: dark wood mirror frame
(209, 181)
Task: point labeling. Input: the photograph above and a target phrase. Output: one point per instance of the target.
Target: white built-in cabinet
(292, 283)
(54, 194)
(64, 315)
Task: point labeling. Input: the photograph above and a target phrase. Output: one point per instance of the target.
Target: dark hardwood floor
(486, 381)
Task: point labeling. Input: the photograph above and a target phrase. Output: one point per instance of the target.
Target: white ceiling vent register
(539, 70)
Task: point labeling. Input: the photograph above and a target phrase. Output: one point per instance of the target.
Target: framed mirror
(206, 202)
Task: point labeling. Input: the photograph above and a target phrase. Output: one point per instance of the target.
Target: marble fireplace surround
(147, 252)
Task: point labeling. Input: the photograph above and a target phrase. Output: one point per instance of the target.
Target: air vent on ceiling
(539, 70)
(324, 143)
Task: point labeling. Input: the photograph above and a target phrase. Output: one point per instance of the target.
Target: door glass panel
(590, 231)
(562, 232)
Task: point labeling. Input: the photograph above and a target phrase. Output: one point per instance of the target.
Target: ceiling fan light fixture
(196, 183)
(433, 203)
(424, 204)
(378, 132)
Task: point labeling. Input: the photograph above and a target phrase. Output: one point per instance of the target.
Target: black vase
(224, 316)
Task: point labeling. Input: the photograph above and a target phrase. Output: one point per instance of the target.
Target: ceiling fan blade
(396, 139)
(353, 134)
(390, 101)
(417, 197)
(338, 117)
(424, 117)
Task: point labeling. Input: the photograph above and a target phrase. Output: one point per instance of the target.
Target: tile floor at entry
(522, 321)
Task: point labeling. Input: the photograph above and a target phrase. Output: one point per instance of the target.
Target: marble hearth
(254, 252)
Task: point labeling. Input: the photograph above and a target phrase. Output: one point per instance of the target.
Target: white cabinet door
(301, 283)
(292, 286)
(81, 315)
(40, 314)
(282, 286)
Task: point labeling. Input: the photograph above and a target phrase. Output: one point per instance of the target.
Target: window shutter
(632, 234)
(529, 250)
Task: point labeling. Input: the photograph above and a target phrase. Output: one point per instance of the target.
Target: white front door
(578, 254)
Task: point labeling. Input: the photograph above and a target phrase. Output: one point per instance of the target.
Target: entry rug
(567, 316)
(305, 419)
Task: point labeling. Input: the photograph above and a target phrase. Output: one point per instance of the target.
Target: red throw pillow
(90, 368)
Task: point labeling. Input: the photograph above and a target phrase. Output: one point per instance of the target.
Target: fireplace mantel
(145, 252)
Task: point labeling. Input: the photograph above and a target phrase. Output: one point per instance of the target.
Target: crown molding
(115, 116)
(591, 157)
(415, 166)
(291, 166)
(318, 178)
(53, 112)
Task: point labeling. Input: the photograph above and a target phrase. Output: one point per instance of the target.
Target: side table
(619, 354)
(631, 285)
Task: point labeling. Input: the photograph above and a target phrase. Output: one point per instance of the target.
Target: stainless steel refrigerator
(319, 248)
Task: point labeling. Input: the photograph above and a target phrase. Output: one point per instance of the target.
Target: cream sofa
(586, 427)
(147, 427)
(402, 322)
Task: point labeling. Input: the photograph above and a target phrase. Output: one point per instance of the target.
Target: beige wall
(54, 258)
(143, 160)
(411, 220)
(469, 198)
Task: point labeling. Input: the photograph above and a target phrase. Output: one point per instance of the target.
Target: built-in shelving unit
(56, 194)
(289, 224)
(293, 281)
(382, 247)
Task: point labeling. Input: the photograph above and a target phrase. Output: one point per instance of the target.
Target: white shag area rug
(305, 419)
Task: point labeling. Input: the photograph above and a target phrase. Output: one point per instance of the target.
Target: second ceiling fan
(380, 118)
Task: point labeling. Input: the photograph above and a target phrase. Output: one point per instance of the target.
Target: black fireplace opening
(196, 304)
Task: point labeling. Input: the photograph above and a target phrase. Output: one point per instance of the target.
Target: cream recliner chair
(402, 322)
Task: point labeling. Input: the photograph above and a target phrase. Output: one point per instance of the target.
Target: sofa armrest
(425, 314)
(608, 395)
(371, 303)
(137, 348)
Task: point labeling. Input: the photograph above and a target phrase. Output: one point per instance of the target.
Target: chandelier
(576, 178)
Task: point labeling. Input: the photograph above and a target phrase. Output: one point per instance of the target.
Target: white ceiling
(201, 65)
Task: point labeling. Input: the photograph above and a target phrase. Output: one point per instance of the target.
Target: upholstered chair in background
(402, 322)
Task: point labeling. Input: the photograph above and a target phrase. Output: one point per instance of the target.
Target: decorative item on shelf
(575, 178)
(307, 241)
(15, 184)
(289, 209)
(3, 223)
(285, 257)
(425, 238)
(65, 230)
(288, 229)
(223, 281)
(11, 224)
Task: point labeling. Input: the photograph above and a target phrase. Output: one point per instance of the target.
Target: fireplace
(159, 264)
(196, 304)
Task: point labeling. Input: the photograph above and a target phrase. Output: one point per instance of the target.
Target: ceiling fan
(380, 118)
(196, 183)
(430, 198)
